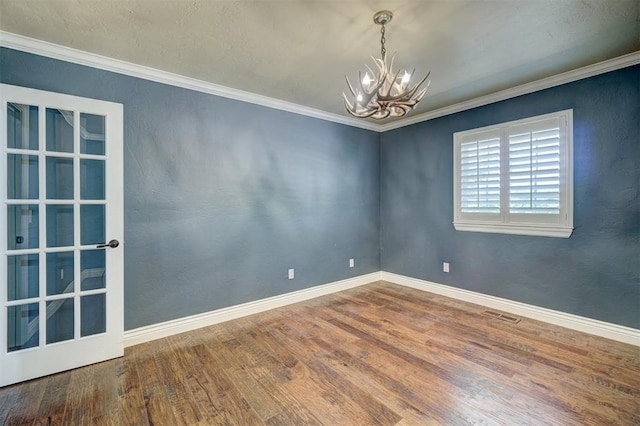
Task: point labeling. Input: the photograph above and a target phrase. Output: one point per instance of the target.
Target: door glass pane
(92, 179)
(22, 126)
(22, 226)
(59, 273)
(93, 314)
(59, 225)
(59, 320)
(92, 266)
(23, 330)
(59, 178)
(22, 276)
(59, 130)
(22, 177)
(91, 134)
(92, 224)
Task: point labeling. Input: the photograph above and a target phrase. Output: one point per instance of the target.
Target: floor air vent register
(500, 316)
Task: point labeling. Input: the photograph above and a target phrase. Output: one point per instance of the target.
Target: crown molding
(67, 54)
(535, 86)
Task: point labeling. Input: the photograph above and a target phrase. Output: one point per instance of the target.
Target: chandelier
(384, 93)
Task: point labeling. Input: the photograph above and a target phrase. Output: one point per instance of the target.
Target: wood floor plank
(436, 403)
(172, 374)
(9, 401)
(492, 384)
(567, 381)
(353, 406)
(29, 398)
(376, 354)
(455, 346)
(130, 398)
(78, 402)
(245, 379)
(256, 349)
(104, 392)
(53, 404)
(157, 407)
(500, 345)
(232, 406)
(443, 357)
(397, 395)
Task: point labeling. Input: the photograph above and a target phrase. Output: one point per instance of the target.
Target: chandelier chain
(383, 50)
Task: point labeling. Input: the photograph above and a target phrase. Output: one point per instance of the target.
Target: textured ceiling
(299, 51)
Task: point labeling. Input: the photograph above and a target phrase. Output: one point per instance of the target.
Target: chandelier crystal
(384, 93)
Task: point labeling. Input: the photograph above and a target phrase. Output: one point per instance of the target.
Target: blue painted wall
(222, 197)
(594, 273)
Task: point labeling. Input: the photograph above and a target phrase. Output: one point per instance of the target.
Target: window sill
(519, 229)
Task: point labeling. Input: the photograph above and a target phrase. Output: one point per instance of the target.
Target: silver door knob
(112, 244)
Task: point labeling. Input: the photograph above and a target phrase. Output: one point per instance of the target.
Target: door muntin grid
(55, 161)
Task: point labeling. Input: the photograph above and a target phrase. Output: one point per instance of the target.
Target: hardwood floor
(380, 354)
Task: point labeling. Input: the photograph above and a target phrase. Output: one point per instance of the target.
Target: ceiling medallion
(385, 93)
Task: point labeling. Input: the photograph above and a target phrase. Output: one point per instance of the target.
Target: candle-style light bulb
(366, 80)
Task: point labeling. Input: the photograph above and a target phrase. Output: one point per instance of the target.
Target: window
(516, 177)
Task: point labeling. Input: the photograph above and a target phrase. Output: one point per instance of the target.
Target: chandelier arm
(353, 92)
(407, 104)
(403, 97)
(362, 115)
(385, 113)
(402, 109)
(415, 88)
(400, 86)
(347, 104)
(369, 95)
(399, 89)
(395, 99)
(391, 83)
(408, 94)
(424, 79)
(393, 59)
(373, 74)
(380, 64)
(413, 72)
(399, 112)
(363, 90)
(421, 94)
(367, 99)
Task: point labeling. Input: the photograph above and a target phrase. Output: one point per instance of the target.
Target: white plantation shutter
(516, 177)
(480, 174)
(534, 168)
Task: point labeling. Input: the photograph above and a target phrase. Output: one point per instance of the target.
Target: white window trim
(500, 223)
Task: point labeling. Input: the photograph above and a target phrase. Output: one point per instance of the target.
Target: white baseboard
(181, 325)
(574, 322)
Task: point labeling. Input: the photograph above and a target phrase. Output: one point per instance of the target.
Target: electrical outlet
(291, 274)
(445, 266)
(352, 263)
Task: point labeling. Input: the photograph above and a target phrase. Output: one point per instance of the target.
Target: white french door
(61, 222)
